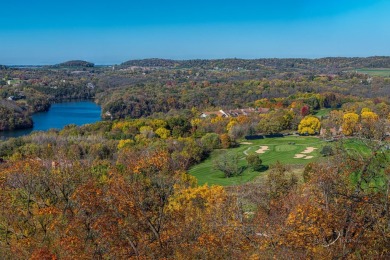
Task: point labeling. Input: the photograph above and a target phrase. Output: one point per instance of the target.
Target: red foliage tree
(305, 110)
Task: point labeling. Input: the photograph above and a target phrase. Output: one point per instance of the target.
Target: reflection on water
(60, 115)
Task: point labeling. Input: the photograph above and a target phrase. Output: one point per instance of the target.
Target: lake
(60, 115)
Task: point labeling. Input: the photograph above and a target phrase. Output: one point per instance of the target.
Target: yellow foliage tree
(206, 224)
(195, 122)
(350, 121)
(186, 199)
(310, 125)
(308, 227)
(163, 133)
(124, 143)
(231, 124)
(157, 123)
(122, 126)
(365, 109)
(370, 127)
(217, 119)
(369, 117)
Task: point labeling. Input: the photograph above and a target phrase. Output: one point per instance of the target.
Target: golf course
(293, 150)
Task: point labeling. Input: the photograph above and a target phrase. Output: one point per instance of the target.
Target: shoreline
(55, 122)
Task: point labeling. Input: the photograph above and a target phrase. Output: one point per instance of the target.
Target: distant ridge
(3, 67)
(337, 63)
(154, 62)
(76, 64)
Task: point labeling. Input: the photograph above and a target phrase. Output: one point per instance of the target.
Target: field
(275, 149)
(385, 72)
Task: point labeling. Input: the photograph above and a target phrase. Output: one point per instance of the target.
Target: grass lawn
(323, 112)
(355, 146)
(385, 72)
(279, 149)
(358, 148)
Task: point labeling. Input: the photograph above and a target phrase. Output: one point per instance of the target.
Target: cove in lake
(60, 115)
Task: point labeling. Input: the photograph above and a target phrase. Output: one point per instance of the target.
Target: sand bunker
(303, 155)
(309, 150)
(245, 143)
(262, 149)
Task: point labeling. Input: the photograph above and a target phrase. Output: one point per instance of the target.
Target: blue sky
(110, 32)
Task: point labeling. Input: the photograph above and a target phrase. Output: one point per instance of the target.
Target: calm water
(60, 115)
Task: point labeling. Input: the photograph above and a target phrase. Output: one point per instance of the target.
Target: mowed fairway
(381, 72)
(278, 149)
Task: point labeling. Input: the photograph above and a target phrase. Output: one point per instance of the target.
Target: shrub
(254, 161)
(327, 150)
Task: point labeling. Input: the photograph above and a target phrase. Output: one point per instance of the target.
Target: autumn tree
(280, 180)
(309, 125)
(211, 141)
(305, 110)
(350, 123)
(186, 151)
(208, 224)
(368, 116)
(163, 133)
(371, 126)
(277, 121)
(226, 141)
(35, 201)
(342, 211)
(336, 118)
(146, 131)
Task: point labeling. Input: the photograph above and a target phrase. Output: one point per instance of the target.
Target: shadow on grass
(262, 168)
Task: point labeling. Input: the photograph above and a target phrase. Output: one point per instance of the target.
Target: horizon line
(189, 59)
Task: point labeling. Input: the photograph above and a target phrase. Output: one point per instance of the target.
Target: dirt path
(246, 151)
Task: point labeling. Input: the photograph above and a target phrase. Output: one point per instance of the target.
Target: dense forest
(323, 65)
(200, 159)
(144, 87)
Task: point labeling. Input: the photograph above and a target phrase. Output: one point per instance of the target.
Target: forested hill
(75, 63)
(13, 117)
(154, 62)
(331, 63)
(3, 67)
